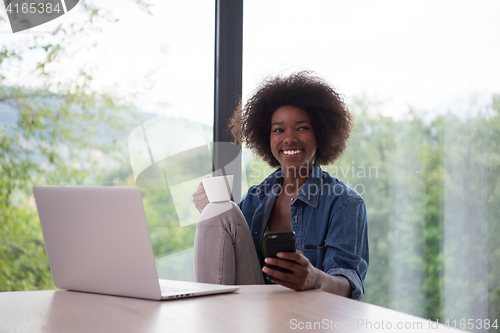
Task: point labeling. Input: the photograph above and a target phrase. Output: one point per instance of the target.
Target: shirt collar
(309, 193)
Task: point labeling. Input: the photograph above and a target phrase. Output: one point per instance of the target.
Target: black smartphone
(278, 241)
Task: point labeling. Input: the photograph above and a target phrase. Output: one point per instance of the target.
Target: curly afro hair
(331, 119)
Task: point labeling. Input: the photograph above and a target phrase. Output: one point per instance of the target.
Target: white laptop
(97, 241)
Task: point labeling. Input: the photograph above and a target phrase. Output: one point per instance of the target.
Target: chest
(280, 218)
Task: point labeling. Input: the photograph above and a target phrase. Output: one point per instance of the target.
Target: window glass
(74, 91)
(422, 81)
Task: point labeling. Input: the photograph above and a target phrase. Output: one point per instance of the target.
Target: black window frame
(228, 85)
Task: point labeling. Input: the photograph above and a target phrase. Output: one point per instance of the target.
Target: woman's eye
(303, 128)
(277, 130)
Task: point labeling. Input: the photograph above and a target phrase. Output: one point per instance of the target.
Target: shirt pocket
(315, 254)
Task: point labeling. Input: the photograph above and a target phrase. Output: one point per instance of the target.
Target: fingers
(289, 284)
(200, 202)
(290, 265)
(289, 280)
(276, 275)
(295, 262)
(200, 198)
(199, 190)
(296, 256)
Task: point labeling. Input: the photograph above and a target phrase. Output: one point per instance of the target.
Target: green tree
(432, 208)
(470, 201)
(368, 165)
(65, 133)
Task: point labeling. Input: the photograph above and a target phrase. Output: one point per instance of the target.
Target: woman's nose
(290, 138)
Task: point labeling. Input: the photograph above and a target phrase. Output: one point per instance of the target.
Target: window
(67, 109)
(420, 78)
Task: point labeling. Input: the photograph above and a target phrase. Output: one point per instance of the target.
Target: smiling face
(293, 142)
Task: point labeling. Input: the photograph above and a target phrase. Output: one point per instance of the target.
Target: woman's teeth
(291, 152)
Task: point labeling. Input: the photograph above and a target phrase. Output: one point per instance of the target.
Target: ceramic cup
(218, 188)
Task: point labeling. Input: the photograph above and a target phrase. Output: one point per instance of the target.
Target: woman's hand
(200, 198)
(305, 276)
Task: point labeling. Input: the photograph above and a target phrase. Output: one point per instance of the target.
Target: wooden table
(267, 308)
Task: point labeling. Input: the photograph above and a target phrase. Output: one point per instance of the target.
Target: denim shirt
(329, 221)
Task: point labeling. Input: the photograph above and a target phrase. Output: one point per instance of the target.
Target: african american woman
(295, 123)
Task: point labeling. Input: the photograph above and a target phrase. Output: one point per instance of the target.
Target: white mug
(218, 188)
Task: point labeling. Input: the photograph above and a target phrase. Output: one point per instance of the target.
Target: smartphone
(278, 241)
